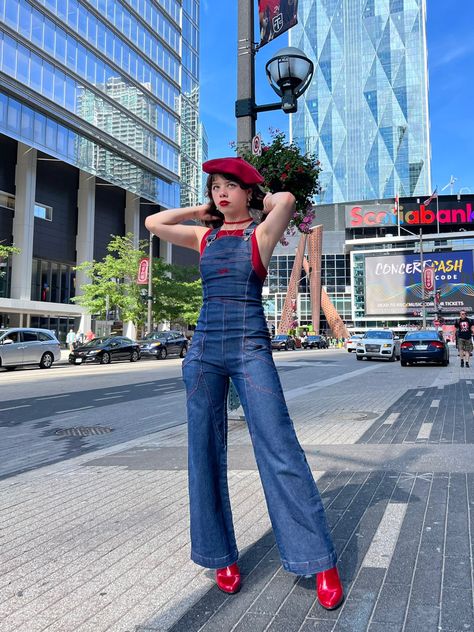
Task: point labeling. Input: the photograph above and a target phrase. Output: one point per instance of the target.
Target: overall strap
(249, 231)
(212, 236)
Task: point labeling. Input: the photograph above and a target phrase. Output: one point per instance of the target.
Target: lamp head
(289, 73)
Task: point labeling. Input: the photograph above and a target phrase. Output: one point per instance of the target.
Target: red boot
(228, 579)
(329, 589)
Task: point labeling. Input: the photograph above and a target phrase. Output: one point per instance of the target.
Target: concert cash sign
(393, 284)
(276, 17)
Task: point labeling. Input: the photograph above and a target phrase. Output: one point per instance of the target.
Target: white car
(27, 345)
(352, 342)
(378, 343)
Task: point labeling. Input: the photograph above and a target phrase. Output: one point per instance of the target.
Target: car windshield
(3, 331)
(422, 335)
(155, 336)
(98, 341)
(383, 335)
(280, 337)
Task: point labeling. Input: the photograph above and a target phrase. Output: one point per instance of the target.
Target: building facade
(373, 254)
(365, 114)
(92, 95)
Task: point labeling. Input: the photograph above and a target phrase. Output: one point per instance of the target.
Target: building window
(44, 212)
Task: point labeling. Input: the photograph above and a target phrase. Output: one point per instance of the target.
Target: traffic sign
(257, 145)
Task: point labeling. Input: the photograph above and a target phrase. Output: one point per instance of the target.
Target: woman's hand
(203, 213)
(268, 203)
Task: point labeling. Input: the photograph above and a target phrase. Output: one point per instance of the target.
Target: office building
(365, 114)
(96, 99)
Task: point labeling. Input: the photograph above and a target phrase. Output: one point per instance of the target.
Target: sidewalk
(100, 542)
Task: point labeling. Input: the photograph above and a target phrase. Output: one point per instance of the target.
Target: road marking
(392, 418)
(116, 392)
(144, 384)
(425, 431)
(40, 399)
(420, 393)
(435, 403)
(72, 410)
(303, 390)
(101, 399)
(15, 407)
(383, 544)
(471, 395)
(468, 382)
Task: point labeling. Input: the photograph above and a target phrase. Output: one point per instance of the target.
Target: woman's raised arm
(279, 207)
(168, 225)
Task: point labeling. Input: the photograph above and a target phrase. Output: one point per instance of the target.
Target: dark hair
(256, 201)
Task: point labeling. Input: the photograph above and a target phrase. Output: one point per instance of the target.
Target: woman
(232, 341)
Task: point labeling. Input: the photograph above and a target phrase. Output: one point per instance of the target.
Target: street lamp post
(150, 285)
(289, 73)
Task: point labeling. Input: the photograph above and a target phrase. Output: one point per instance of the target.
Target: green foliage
(285, 168)
(5, 251)
(176, 293)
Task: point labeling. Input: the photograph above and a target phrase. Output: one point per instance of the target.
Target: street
(94, 528)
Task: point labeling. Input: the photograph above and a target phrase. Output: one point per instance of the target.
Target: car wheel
(358, 357)
(392, 358)
(105, 359)
(134, 356)
(162, 353)
(445, 363)
(46, 361)
(403, 362)
(183, 352)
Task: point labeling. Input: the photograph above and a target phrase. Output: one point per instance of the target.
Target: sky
(451, 86)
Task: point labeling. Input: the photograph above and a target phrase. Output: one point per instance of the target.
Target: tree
(113, 284)
(286, 168)
(5, 252)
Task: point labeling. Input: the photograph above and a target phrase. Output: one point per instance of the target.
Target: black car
(424, 346)
(106, 349)
(160, 344)
(283, 342)
(314, 342)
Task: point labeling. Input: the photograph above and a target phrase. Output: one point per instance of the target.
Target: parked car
(106, 349)
(314, 341)
(160, 344)
(378, 343)
(283, 342)
(352, 342)
(21, 346)
(424, 346)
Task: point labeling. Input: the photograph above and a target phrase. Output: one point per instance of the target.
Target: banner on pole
(429, 278)
(276, 17)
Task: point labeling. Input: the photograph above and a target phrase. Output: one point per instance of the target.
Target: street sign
(429, 278)
(142, 275)
(257, 145)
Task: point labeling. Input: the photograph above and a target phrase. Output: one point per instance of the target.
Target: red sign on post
(276, 17)
(143, 268)
(429, 278)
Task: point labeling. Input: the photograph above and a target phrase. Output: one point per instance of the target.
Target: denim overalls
(232, 341)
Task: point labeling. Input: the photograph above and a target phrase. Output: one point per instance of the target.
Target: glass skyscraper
(99, 127)
(365, 114)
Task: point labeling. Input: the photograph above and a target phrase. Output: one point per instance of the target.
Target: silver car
(378, 343)
(26, 345)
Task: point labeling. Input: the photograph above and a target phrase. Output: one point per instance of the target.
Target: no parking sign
(257, 145)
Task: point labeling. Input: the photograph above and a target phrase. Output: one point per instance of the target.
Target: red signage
(365, 216)
(276, 17)
(429, 278)
(142, 276)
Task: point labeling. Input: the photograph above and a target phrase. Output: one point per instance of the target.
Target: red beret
(237, 167)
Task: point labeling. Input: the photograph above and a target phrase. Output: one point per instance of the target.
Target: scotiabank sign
(411, 214)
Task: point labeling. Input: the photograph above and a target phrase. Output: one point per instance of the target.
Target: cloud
(450, 55)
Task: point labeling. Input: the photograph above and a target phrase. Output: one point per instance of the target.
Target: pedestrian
(71, 339)
(464, 330)
(90, 335)
(231, 340)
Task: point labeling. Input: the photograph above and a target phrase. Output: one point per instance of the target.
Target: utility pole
(150, 285)
(423, 303)
(245, 73)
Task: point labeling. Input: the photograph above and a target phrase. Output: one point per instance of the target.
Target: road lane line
(40, 399)
(72, 410)
(101, 399)
(303, 390)
(420, 393)
(392, 418)
(15, 407)
(435, 403)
